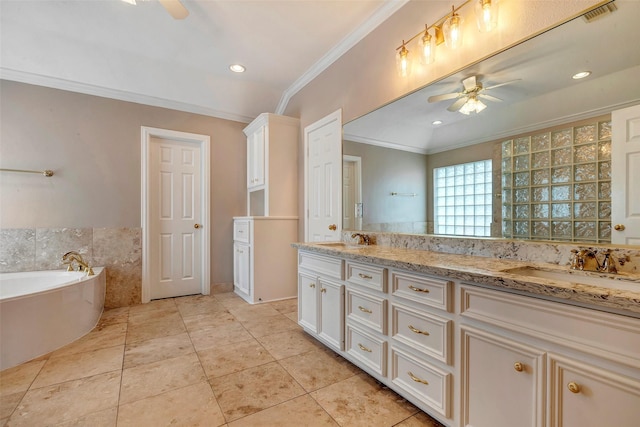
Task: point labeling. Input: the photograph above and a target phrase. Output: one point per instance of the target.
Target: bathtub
(41, 311)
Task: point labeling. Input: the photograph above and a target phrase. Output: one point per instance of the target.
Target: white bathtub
(41, 311)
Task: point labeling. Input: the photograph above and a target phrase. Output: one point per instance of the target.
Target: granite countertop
(621, 294)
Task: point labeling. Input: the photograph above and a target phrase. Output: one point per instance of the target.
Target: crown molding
(384, 144)
(105, 92)
(377, 18)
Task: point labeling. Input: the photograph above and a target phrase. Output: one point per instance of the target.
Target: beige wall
(93, 145)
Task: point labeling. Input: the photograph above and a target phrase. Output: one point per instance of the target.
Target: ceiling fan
(469, 99)
(174, 7)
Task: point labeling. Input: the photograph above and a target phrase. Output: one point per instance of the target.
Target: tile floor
(198, 361)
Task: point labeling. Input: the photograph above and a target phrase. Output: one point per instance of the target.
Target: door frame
(357, 168)
(335, 116)
(204, 142)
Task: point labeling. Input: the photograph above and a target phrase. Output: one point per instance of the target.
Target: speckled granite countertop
(621, 295)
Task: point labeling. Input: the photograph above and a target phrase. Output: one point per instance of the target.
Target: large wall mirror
(390, 154)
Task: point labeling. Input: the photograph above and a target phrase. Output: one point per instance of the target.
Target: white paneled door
(176, 226)
(323, 177)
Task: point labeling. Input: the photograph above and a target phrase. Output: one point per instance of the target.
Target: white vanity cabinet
(264, 263)
(321, 298)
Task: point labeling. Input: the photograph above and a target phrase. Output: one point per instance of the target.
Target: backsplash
(117, 249)
(547, 252)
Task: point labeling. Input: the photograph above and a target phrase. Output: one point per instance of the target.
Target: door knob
(197, 226)
(333, 227)
(619, 227)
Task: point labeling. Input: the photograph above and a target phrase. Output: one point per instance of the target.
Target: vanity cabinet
(264, 263)
(272, 172)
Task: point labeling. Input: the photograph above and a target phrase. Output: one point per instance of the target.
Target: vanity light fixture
(581, 75)
(403, 60)
(486, 15)
(237, 68)
(427, 47)
(452, 29)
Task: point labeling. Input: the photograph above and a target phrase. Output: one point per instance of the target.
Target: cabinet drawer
(369, 350)
(371, 276)
(424, 332)
(432, 291)
(367, 310)
(241, 231)
(329, 266)
(425, 382)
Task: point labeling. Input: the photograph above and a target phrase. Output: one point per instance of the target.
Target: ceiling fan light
(486, 15)
(403, 61)
(452, 29)
(133, 2)
(581, 75)
(237, 68)
(427, 48)
(473, 105)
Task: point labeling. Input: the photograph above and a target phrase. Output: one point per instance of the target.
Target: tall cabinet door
(308, 301)
(331, 324)
(256, 158)
(502, 381)
(242, 267)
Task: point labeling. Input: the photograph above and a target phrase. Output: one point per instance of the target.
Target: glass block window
(557, 185)
(463, 195)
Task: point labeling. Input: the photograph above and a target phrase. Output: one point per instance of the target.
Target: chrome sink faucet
(363, 239)
(72, 256)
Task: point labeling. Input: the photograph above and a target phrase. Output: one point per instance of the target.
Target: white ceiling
(544, 96)
(140, 53)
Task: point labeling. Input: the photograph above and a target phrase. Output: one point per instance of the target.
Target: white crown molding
(105, 92)
(377, 18)
(384, 144)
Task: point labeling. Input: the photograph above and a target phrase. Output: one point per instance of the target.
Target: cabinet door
(256, 158)
(242, 267)
(502, 381)
(308, 302)
(587, 396)
(331, 325)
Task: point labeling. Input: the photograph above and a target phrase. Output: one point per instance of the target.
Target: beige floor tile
(161, 314)
(106, 418)
(8, 404)
(99, 337)
(247, 312)
(198, 304)
(293, 316)
(289, 343)
(81, 365)
(156, 349)
(319, 368)
(361, 401)
(218, 336)
(159, 377)
(19, 378)
(155, 305)
(419, 420)
(171, 325)
(113, 316)
(262, 326)
(203, 321)
(234, 357)
(285, 306)
(193, 405)
(253, 390)
(302, 411)
(67, 401)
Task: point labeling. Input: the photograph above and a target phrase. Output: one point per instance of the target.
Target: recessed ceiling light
(581, 75)
(436, 122)
(237, 68)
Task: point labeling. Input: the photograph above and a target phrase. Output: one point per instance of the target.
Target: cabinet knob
(573, 387)
(312, 285)
(518, 366)
(197, 225)
(333, 227)
(323, 290)
(619, 227)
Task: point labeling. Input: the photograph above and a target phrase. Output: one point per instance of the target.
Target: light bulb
(486, 15)
(403, 61)
(427, 48)
(452, 29)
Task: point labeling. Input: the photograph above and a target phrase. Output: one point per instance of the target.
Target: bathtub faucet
(72, 256)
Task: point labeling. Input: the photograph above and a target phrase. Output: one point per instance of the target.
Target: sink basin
(339, 245)
(585, 278)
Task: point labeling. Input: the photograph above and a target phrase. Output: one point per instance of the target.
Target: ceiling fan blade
(470, 83)
(458, 104)
(489, 97)
(175, 8)
(502, 84)
(443, 97)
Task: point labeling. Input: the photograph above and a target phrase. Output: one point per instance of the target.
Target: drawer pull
(363, 348)
(573, 387)
(417, 331)
(413, 288)
(364, 310)
(365, 276)
(518, 366)
(416, 379)
(312, 285)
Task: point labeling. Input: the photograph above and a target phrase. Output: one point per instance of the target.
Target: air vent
(599, 12)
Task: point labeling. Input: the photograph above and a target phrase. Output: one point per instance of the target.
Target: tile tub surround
(134, 370)
(490, 271)
(119, 250)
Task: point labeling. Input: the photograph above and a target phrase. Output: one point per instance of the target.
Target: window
(463, 195)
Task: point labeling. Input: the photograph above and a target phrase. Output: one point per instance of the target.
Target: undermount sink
(603, 280)
(340, 245)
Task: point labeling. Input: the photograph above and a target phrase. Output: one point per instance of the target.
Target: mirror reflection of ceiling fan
(174, 7)
(469, 100)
